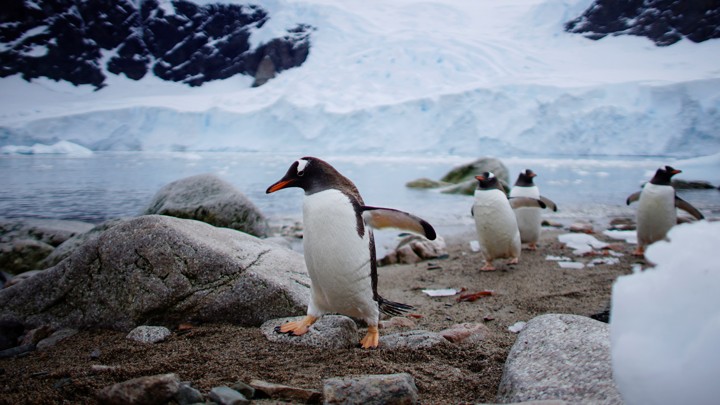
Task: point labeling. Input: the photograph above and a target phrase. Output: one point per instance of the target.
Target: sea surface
(103, 186)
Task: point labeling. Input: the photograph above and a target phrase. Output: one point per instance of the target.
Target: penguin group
(339, 246)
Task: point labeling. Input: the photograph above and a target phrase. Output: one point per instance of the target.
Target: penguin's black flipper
(517, 202)
(392, 308)
(633, 197)
(549, 203)
(380, 218)
(686, 206)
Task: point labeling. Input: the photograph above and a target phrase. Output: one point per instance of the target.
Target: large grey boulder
(209, 199)
(66, 248)
(163, 270)
(560, 357)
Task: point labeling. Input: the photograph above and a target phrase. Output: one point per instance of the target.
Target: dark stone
(665, 22)
(10, 332)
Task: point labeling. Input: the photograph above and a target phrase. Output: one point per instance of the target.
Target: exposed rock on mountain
(665, 22)
(81, 41)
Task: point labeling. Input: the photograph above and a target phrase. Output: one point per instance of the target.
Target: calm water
(111, 185)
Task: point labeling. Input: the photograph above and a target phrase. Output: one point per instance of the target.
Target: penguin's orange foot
(371, 340)
(532, 246)
(640, 251)
(515, 260)
(488, 267)
(297, 328)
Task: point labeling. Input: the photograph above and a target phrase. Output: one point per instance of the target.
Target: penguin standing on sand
(529, 219)
(340, 248)
(656, 212)
(497, 228)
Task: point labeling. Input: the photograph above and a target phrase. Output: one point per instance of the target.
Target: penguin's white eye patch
(490, 175)
(302, 163)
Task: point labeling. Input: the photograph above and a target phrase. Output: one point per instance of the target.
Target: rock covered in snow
(208, 198)
(560, 357)
(665, 323)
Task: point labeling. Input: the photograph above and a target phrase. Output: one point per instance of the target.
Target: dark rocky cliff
(83, 41)
(665, 22)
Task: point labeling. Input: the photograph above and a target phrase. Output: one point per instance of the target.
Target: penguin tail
(392, 308)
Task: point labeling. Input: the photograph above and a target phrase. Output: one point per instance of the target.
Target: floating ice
(60, 148)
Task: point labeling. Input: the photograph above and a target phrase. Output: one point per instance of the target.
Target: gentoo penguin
(497, 228)
(340, 248)
(656, 212)
(529, 219)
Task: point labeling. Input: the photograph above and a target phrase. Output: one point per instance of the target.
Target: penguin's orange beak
(281, 184)
(676, 171)
(480, 178)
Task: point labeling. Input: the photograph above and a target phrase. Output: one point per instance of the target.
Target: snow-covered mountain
(408, 76)
(83, 42)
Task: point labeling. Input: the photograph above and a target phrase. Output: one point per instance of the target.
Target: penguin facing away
(656, 212)
(497, 228)
(340, 248)
(529, 219)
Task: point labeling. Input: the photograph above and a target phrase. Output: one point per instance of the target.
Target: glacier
(414, 77)
(623, 119)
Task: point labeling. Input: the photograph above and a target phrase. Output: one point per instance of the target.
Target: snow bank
(665, 322)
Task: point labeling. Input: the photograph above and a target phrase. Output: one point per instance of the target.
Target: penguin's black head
(312, 175)
(488, 181)
(525, 179)
(663, 175)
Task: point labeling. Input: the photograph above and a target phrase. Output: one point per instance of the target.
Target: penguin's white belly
(337, 258)
(529, 219)
(496, 226)
(656, 213)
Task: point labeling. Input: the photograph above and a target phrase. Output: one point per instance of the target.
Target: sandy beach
(210, 355)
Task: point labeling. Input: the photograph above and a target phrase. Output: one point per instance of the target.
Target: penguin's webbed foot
(488, 266)
(297, 328)
(532, 246)
(371, 339)
(514, 260)
(640, 251)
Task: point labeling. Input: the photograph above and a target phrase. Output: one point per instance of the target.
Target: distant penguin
(497, 228)
(656, 212)
(340, 248)
(529, 219)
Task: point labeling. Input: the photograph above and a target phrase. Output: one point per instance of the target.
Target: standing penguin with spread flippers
(529, 219)
(656, 212)
(497, 228)
(340, 248)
